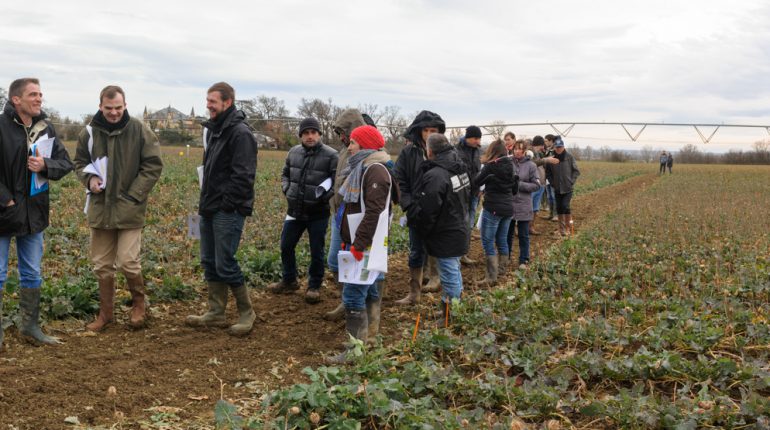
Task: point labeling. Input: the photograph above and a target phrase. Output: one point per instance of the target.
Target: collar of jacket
(101, 123)
(311, 150)
(222, 121)
(12, 113)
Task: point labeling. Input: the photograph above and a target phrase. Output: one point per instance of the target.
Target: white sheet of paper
(289, 218)
(354, 272)
(402, 221)
(44, 148)
(323, 188)
(194, 226)
(199, 169)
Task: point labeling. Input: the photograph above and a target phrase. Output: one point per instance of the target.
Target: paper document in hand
(42, 148)
(99, 169)
(352, 271)
(323, 188)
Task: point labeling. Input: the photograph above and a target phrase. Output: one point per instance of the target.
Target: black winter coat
(229, 166)
(305, 169)
(500, 184)
(439, 211)
(408, 171)
(563, 176)
(470, 157)
(29, 214)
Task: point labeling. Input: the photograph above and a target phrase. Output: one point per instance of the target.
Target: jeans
(494, 231)
(549, 192)
(472, 205)
(451, 278)
(537, 197)
(220, 237)
(417, 254)
(29, 249)
(662, 168)
(292, 232)
(355, 296)
(335, 241)
(562, 203)
(523, 229)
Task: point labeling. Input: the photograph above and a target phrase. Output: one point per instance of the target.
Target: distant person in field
(408, 173)
(669, 162)
(309, 168)
(540, 159)
(348, 120)
(529, 182)
(469, 148)
(663, 162)
(438, 213)
(226, 199)
(549, 194)
(368, 188)
(500, 184)
(117, 203)
(562, 177)
(24, 204)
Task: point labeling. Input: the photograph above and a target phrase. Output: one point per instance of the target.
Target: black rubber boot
(29, 306)
(215, 317)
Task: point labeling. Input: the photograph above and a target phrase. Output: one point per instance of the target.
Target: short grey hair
(437, 143)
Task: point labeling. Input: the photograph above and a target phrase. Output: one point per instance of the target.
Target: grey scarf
(353, 174)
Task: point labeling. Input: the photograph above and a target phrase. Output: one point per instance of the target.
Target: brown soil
(172, 369)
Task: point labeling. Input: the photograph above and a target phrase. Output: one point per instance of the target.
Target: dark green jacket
(134, 166)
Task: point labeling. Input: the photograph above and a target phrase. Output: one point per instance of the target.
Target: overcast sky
(472, 62)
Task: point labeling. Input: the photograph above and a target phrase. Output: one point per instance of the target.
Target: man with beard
(117, 203)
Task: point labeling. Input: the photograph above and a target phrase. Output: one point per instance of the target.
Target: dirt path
(170, 372)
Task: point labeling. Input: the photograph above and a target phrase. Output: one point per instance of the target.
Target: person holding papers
(363, 222)
(307, 182)
(23, 212)
(118, 161)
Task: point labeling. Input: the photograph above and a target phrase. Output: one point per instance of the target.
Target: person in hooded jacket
(226, 199)
(349, 120)
(438, 213)
(307, 166)
(116, 209)
(529, 182)
(408, 173)
(562, 177)
(367, 180)
(500, 185)
(24, 215)
(468, 150)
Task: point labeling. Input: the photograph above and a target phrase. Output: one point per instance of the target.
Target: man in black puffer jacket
(439, 213)
(408, 174)
(307, 167)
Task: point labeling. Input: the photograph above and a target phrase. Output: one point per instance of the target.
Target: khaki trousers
(115, 249)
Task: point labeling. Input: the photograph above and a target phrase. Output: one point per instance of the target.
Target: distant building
(171, 118)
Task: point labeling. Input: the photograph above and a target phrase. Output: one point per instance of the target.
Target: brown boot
(373, 310)
(569, 225)
(282, 287)
(106, 305)
(563, 225)
(532, 230)
(490, 277)
(434, 280)
(414, 288)
(137, 317)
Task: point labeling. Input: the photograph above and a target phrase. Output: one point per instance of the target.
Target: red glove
(342, 246)
(358, 255)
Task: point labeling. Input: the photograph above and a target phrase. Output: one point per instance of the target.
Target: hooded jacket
(407, 170)
(529, 182)
(229, 166)
(470, 157)
(305, 169)
(439, 211)
(348, 121)
(562, 176)
(500, 184)
(133, 167)
(29, 214)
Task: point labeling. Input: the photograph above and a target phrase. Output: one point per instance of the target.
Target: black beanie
(473, 131)
(309, 123)
(538, 141)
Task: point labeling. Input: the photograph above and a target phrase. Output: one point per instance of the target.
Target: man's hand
(552, 160)
(36, 163)
(94, 184)
(11, 203)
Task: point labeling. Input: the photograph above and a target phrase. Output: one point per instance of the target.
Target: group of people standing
(437, 184)
(666, 161)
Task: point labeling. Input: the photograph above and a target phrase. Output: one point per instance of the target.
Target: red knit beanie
(368, 137)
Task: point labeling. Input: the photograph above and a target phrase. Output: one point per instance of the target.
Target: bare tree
(646, 153)
(271, 107)
(455, 134)
(3, 97)
(588, 152)
(576, 152)
(496, 129)
(324, 111)
(248, 106)
(761, 146)
(392, 125)
(373, 110)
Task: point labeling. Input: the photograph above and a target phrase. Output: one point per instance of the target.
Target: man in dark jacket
(562, 177)
(468, 150)
(307, 182)
(24, 203)
(439, 213)
(116, 207)
(408, 174)
(227, 197)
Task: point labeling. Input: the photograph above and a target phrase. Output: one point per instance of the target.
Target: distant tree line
(688, 154)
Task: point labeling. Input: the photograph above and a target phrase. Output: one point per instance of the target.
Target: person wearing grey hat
(562, 177)
(309, 123)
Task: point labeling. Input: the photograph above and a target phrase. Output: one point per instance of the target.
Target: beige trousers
(114, 249)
